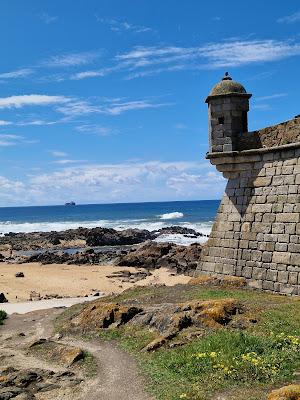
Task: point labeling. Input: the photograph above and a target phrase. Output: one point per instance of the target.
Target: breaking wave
(172, 215)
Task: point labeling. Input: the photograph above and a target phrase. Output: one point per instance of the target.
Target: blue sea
(198, 215)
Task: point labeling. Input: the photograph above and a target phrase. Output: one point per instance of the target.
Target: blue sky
(103, 100)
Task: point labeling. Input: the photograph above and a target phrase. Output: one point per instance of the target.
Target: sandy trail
(72, 280)
(29, 306)
(117, 374)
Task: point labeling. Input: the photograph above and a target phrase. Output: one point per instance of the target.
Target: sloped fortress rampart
(256, 233)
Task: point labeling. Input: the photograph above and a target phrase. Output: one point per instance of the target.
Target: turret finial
(226, 77)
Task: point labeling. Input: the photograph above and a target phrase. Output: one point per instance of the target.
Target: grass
(3, 316)
(223, 364)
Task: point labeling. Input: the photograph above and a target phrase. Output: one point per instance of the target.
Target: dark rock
(19, 275)
(3, 299)
(152, 255)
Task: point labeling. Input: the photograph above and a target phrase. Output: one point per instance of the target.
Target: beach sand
(72, 280)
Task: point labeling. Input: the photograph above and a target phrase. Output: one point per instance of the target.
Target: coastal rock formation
(166, 319)
(26, 383)
(152, 255)
(101, 315)
(213, 280)
(3, 299)
(80, 237)
(290, 392)
(57, 352)
(79, 258)
(83, 237)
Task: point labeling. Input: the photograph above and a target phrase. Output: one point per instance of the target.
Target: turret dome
(227, 86)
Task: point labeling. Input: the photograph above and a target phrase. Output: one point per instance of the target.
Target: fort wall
(256, 233)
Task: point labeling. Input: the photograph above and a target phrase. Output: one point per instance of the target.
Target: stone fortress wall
(256, 233)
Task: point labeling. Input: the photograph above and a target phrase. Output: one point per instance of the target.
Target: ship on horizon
(71, 203)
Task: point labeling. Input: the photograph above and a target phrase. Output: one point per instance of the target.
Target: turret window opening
(221, 120)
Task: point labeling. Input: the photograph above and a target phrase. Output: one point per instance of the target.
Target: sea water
(198, 215)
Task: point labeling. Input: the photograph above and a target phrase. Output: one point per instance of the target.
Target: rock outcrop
(152, 255)
(3, 299)
(166, 319)
(26, 383)
(290, 392)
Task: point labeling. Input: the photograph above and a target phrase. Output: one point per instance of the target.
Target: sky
(102, 101)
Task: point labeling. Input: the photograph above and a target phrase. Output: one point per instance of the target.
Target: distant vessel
(71, 203)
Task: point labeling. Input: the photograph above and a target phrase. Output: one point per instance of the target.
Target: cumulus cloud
(128, 181)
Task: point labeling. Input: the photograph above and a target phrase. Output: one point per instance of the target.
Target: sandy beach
(72, 280)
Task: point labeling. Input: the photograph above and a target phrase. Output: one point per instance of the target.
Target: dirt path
(117, 375)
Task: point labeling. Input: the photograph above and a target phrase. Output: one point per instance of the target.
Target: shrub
(3, 315)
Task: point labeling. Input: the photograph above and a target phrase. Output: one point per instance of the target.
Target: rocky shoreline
(130, 247)
(86, 237)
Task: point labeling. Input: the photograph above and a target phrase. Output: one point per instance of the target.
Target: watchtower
(228, 105)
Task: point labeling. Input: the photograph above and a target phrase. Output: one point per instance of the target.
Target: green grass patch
(226, 363)
(219, 362)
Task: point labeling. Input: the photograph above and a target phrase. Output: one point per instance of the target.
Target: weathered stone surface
(261, 216)
(290, 392)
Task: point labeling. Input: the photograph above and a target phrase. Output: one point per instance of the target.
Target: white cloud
(57, 153)
(128, 181)
(19, 73)
(271, 96)
(68, 161)
(119, 108)
(5, 123)
(107, 106)
(71, 59)
(180, 126)
(38, 122)
(150, 60)
(95, 129)
(47, 18)
(290, 19)
(31, 100)
(7, 140)
(146, 61)
(118, 26)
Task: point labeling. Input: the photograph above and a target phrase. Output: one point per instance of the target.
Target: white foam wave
(180, 239)
(172, 215)
(26, 227)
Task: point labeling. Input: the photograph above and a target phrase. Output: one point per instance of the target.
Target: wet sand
(72, 280)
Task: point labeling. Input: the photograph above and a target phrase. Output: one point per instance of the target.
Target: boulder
(233, 281)
(152, 255)
(19, 275)
(290, 392)
(3, 299)
(102, 315)
(111, 237)
(58, 352)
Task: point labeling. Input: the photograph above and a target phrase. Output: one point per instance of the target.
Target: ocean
(198, 215)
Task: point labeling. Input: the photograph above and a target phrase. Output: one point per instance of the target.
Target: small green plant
(3, 316)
